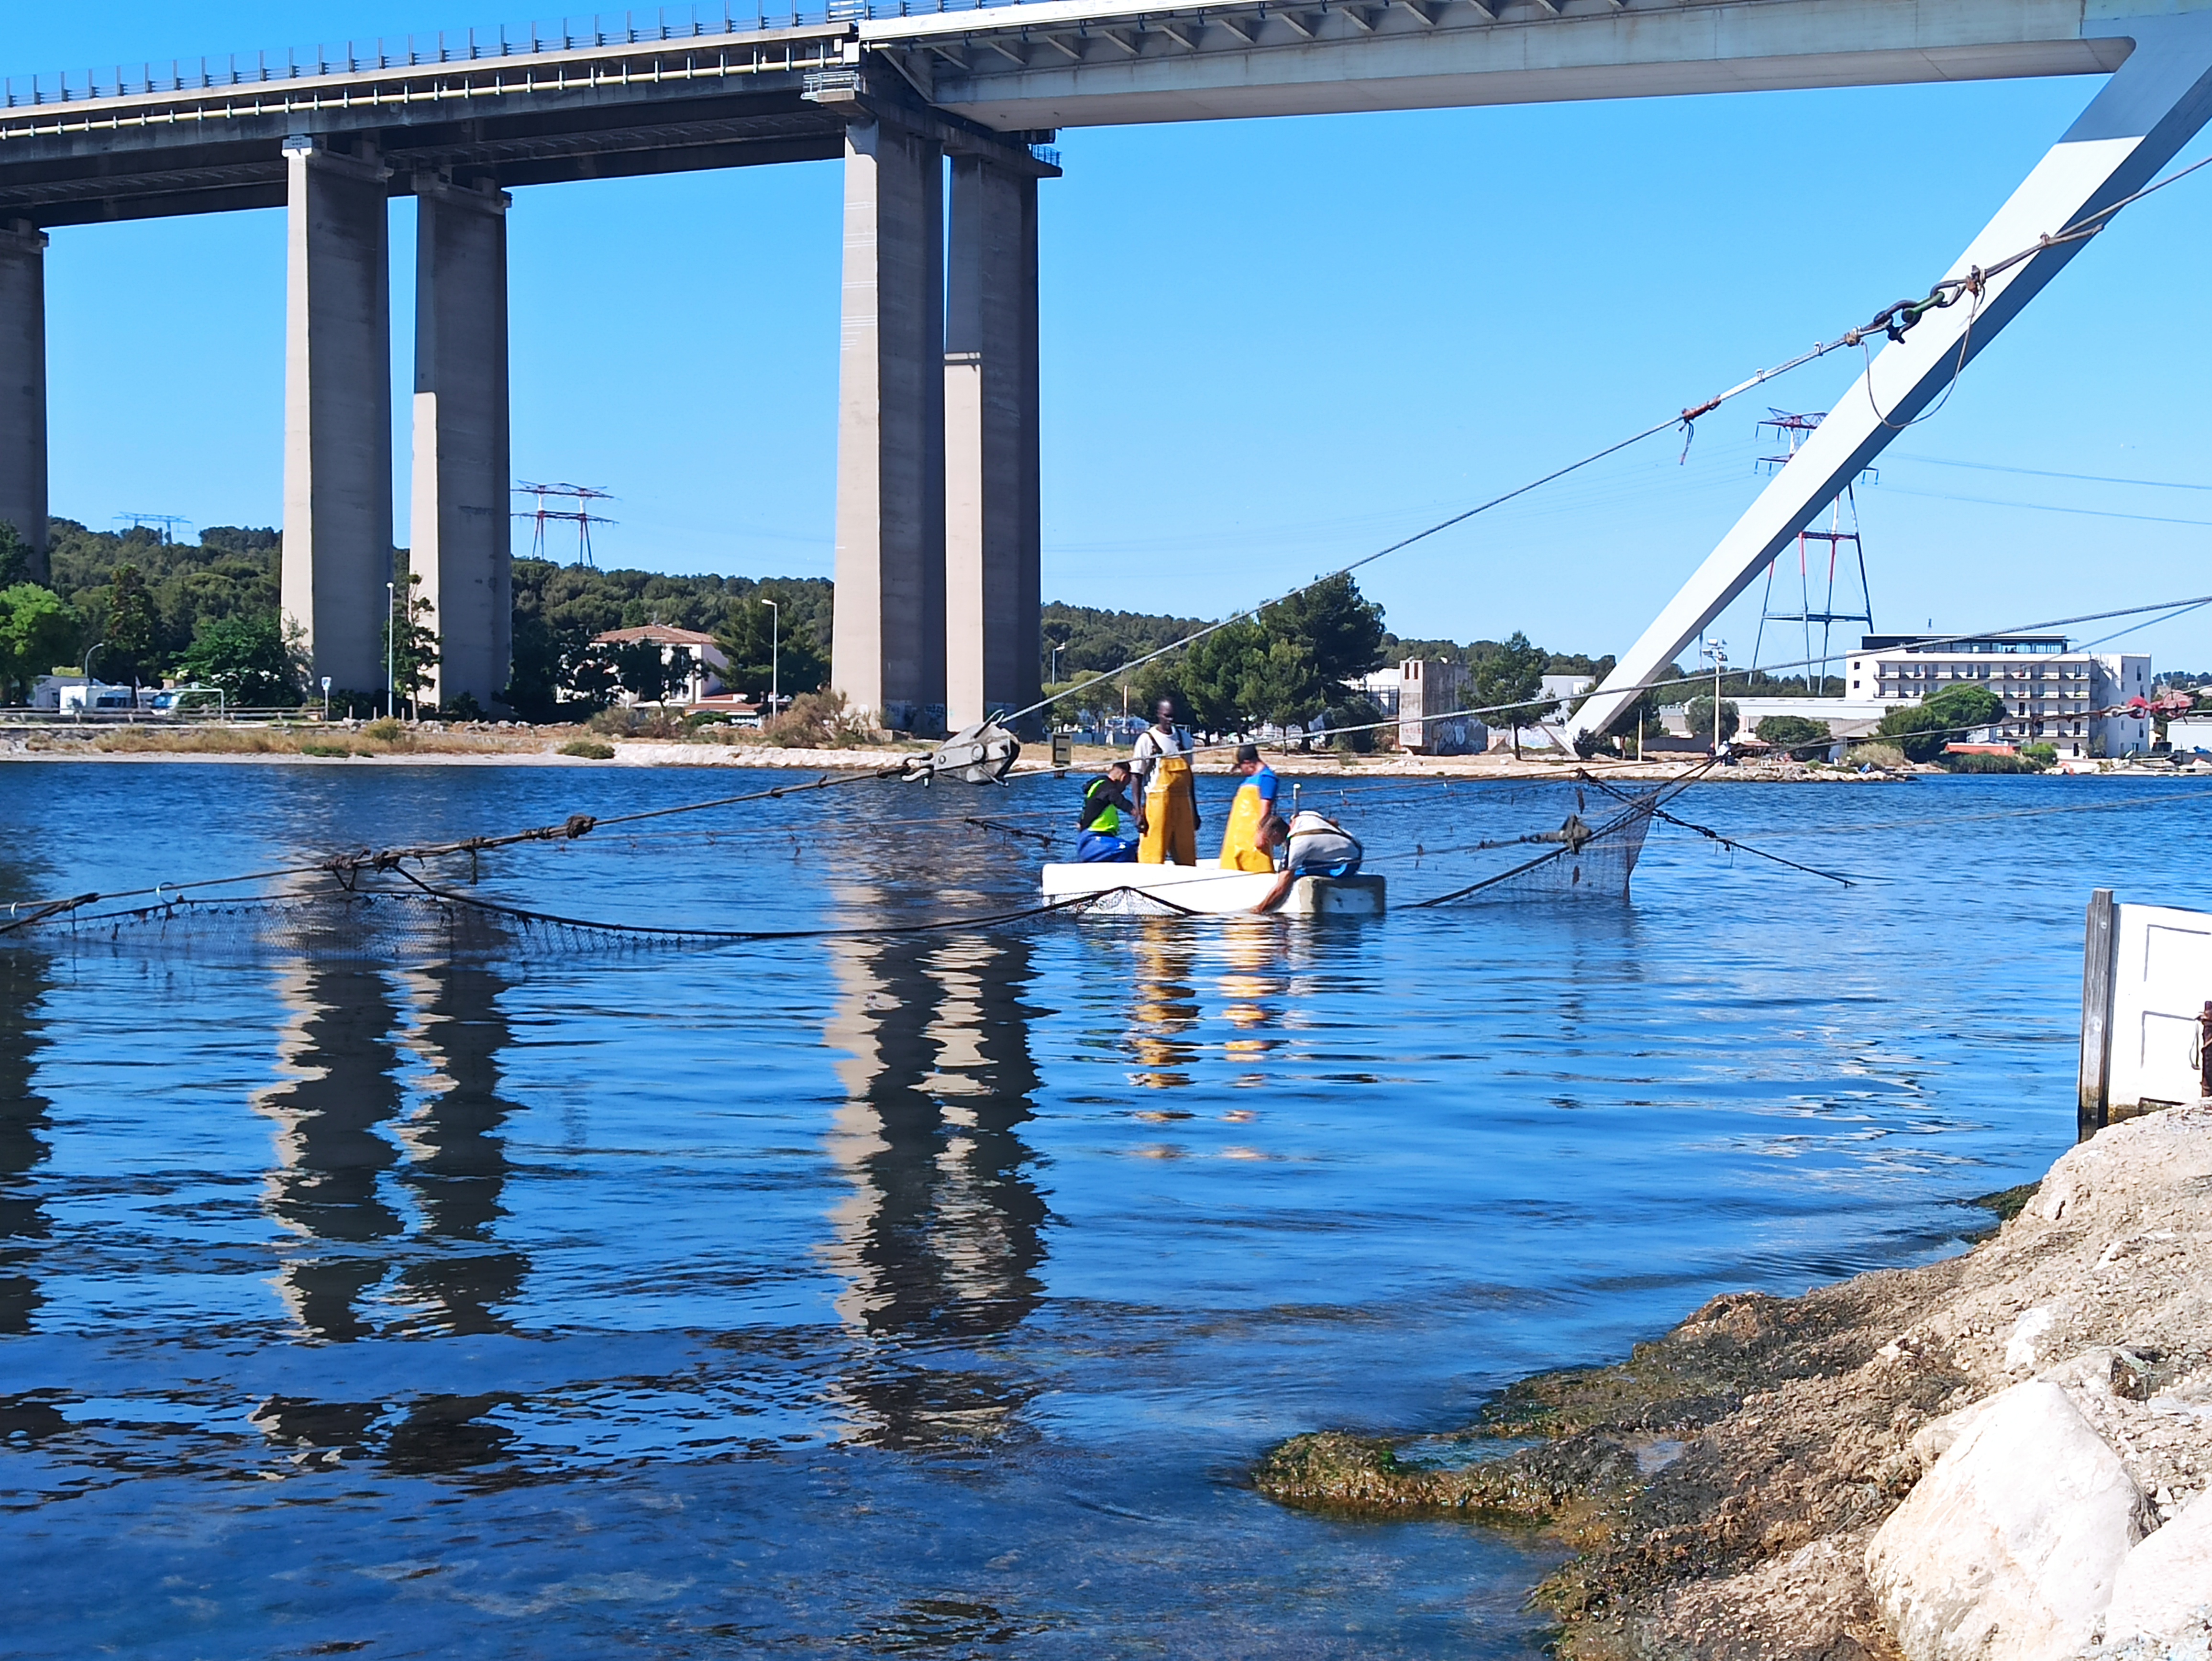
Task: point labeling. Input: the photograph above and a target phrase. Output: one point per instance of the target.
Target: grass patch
(335, 750)
(587, 749)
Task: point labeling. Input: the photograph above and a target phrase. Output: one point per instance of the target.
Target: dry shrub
(193, 740)
(818, 720)
(587, 749)
(638, 722)
(1875, 755)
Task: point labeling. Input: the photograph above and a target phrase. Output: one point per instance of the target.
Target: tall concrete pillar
(23, 387)
(338, 412)
(991, 509)
(459, 541)
(888, 648)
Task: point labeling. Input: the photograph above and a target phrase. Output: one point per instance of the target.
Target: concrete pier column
(337, 411)
(23, 387)
(991, 509)
(888, 648)
(459, 541)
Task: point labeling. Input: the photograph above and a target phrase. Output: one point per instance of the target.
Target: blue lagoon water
(931, 1294)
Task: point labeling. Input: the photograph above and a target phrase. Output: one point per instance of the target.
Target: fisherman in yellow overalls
(1167, 803)
(1243, 848)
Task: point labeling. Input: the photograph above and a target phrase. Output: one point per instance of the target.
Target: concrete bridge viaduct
(941, 118)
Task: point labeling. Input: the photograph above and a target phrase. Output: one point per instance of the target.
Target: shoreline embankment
(2003, 1456)
(487, 744)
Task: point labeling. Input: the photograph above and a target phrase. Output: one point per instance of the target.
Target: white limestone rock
(2163, 1592)
(2008, 1548)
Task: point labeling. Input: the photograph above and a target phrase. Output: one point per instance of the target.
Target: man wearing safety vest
(1243, 846)
(1103, 806)
(1167, 800)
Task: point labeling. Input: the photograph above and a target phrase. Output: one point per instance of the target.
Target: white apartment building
(2048, 691)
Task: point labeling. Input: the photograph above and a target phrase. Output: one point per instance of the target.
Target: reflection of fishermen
(1104, 804)
(1167, 803)
(1242, 849)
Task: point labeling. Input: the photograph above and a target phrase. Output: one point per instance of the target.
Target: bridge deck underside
(233, 161)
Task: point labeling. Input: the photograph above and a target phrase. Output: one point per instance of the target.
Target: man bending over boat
(1105, 806)
(1167, 803)
(1242, 848)
(1312, 846)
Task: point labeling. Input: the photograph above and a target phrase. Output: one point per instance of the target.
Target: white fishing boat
(1140, 889)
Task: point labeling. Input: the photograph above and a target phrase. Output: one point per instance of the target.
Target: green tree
(1283, 684)
(748, 630)
(1922, 730)
(1700, 715)
(1506, 684)
(132, 626)
(15, 555)
(38, 632)
(1793, 732)
(411, 640)
(1341, 631)
(247, 657)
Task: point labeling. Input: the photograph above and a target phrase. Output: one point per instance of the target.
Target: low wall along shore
(2001, 1456)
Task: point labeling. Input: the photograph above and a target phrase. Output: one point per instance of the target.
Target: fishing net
(1584, 861)
(419, 924)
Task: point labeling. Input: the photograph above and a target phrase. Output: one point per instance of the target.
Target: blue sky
(1269, 347)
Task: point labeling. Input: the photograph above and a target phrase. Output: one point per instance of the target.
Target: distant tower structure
(581, 515)
(165, 524)
(1792, 430)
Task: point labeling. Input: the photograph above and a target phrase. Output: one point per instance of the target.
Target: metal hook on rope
(983, 753)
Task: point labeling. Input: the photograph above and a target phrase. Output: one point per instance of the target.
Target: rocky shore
(2002, 1456)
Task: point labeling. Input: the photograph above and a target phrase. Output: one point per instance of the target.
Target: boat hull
(1150, 890)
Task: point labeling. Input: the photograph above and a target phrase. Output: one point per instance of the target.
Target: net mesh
(1585, 861)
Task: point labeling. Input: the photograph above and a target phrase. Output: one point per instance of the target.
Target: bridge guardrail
(461, 46)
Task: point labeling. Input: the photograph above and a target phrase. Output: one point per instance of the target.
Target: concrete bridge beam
(460, 539)
(337, 411)
(23, 388)
(888, 649)
(992, 591)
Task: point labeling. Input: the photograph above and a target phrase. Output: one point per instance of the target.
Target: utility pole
(1717, 651)
(775, 647)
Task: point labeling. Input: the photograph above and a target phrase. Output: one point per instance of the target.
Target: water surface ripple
(929, 1294)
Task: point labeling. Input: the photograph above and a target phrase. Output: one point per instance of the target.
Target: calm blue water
(931, 1295)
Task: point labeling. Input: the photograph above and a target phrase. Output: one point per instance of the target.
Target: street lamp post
(774, 644)
(97, 646)
(1058, 647)
(326, 697)
(1717, 651)
(390, 643)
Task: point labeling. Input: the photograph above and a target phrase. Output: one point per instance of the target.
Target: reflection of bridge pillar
(458, 542)
(943, 1235)
(23, 387)
(339, 1051)
(888, 648)
(992, 592)
(24, 980)
(337, 411)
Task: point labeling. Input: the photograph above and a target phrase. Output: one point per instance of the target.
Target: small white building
(708, 663)
(2050, 694)
(2187, 733)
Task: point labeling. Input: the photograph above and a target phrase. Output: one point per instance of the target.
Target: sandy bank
(2004, 1455)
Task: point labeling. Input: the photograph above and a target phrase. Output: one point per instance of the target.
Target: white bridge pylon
(2154, 103)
